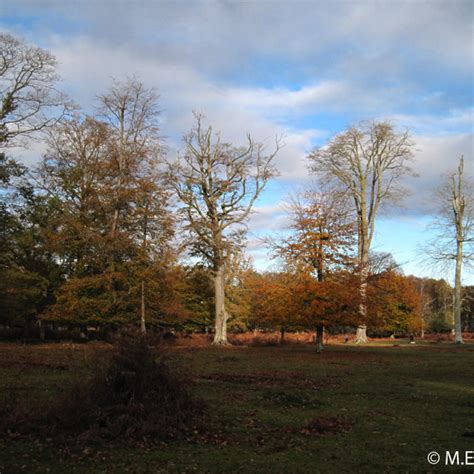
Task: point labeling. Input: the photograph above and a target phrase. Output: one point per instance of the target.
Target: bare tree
(367, 161)
(380, 262)
(454, 228)
(29, 100)
(218, 183)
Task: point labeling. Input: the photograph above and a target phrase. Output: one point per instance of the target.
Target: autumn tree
(367, 161)
(131, 111)
(394, 302)
(72, 172)
(291, 299)
(217, 184)
(320, 242)
(454, 228)
(116, 225)
(273, 300)
(330, 302)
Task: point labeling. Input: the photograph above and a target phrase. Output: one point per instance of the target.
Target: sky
(303, 70)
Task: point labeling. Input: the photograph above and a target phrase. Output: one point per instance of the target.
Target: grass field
(379, 408)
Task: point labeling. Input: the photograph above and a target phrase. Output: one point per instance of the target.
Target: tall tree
(454, 227)
(217, 184)
(131, 111)
(29, 102)
(321, 239)
(116, 226)
(367, 161)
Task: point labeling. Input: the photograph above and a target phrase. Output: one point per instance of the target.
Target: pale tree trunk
(319, 338)
(458, 295)
(459, 204)
(142, 308)
(220, 337)
(361, 333)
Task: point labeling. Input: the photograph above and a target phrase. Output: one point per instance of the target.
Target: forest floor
(376, 408)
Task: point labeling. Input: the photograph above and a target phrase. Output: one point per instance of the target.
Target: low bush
(134, 394)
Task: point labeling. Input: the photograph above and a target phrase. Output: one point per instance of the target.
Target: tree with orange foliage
(291, 299)
(273, 300)
(394, 302)
(115, 227)
(325, 303)
(318, 248)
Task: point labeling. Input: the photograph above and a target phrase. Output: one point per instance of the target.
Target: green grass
(402, 403)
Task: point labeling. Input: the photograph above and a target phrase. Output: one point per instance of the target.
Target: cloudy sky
(301, 69)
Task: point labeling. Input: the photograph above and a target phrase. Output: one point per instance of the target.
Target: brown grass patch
(324, 425)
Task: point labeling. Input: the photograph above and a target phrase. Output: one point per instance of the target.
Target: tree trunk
(282, 334)
(319, 338)
(41, 330)
(458, 295)
(142, 308)
(142, 286)
(361, 333)
(220, 336)
(459, 206)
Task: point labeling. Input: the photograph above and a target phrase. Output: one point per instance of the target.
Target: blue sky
(304, 70)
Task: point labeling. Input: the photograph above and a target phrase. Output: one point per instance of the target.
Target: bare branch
(29, 100)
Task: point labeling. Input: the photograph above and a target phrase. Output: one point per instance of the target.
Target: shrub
(133, 394)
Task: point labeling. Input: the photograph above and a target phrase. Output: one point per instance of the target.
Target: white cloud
(362, 37)
(266, 67)
(87, 69)
(269, 218)
(283, 98)
(424, 124)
